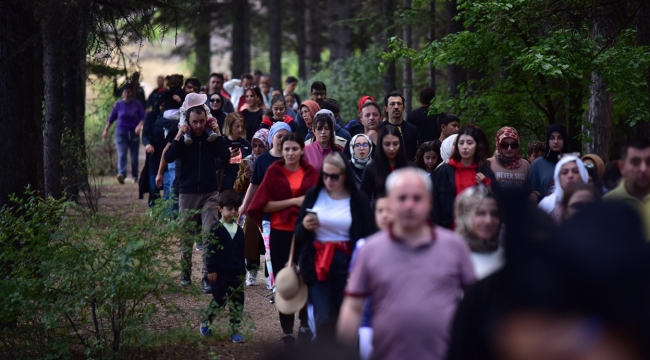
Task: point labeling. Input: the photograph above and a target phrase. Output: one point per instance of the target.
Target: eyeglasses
(363, 145)
(589, 165)
(513, 146)
(215, 100)
(333, 177)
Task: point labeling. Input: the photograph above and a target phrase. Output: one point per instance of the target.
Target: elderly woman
(510, 170)
(360, 156)
(478, 221)
(569, 170)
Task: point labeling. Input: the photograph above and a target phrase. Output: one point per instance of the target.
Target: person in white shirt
(236, 87)
(478, 221)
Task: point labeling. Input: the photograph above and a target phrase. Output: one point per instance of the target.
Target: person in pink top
(325, 142)
(411, 318)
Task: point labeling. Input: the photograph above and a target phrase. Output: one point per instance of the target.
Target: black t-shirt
(253, 121)
(427, 125)
(260, 166)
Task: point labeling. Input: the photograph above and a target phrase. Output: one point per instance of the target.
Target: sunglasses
(589, 165)
(513, 146)
(359, 146)
(333, 177)
(215, 100)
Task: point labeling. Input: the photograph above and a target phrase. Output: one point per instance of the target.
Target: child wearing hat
(192, 100)
(226, 264)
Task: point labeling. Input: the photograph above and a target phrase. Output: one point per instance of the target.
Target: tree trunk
(202, 43)
(52, 80)
(275, 42)
(301, 37)
(456, 75)
(432, 38)
(407, 71)
(574, 114)
(240, 38)
(19, 75)
(314, 39)
(388, 11)
(642, 128)
(339, 35)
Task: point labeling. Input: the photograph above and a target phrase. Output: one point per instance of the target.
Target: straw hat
(291, 294)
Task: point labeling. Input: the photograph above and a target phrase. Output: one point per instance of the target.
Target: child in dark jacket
(225, 260)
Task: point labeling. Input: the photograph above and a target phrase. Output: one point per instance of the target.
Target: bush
(76, 282)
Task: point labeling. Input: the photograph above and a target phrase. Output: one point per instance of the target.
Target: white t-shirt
(334, 217)
(486, 264)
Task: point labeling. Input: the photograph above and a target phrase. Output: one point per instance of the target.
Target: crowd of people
(407, 236)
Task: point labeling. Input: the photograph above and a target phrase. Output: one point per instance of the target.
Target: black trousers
(228, 289)
(280, 245)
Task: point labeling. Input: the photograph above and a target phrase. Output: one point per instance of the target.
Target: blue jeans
(127, 141)
(168, 186)
(154, 191)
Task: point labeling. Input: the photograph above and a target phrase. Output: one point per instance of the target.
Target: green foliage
(530, 61)
(75, 282)
(348, 80)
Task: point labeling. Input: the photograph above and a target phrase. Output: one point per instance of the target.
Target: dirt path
(266, 335)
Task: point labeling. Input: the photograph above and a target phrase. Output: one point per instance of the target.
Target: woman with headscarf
(478, 221)
(540, 179)
(360, 156)
(509, 168)
(447, 149)
(216, 109)
(253, 241)
(308, 110)
(569, 170)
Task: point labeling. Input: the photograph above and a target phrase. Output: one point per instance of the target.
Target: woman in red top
(281, 194)
(467, 167)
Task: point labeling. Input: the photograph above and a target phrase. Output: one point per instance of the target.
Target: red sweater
(465, 176)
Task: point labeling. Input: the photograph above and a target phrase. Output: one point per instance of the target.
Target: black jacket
(409, 138)
(363, 225)
(444, 192)
(228, 172)
(225, 254)
(427, 125)
(200, 160)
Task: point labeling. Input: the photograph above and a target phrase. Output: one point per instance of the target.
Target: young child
(192, 100)
(383, 219)
(225, 261)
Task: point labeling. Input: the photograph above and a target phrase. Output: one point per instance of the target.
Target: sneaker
(120, 178)
(304, 336)
(268, 283)
(188, 139)
(272, 301)
(186, 280)
(288, 341)
(205, 330)
(251, 278)
(236, 338)
(199, 247)
(206, 286)
(132, 180)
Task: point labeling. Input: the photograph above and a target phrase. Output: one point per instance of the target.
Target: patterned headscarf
(360, 163)
(505, 133)
(263, 136)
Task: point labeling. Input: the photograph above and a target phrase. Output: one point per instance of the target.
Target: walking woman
(428, 157)
(339, 216)
(447, 149)
(234, 131)
(254, 112)
(279, 107)
(254, 243)
(325, 142)
(389, 156)
(467, 167)
(308, 110)
(281, 194)
(510, 170)
(540, 178)
(216, 109)
(569, 170)
(478, 221)
(360, 156)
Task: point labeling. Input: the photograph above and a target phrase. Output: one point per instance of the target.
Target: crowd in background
(390, 218)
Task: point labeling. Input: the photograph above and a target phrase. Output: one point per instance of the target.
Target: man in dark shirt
(394, 108)
(427, 124)
(448, 125)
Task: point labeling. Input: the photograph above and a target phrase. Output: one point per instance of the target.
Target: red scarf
(269, 122)
(465, 176)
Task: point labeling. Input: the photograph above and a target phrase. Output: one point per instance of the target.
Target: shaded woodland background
(525, 63)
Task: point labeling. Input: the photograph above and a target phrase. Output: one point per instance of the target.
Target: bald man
(414, 273)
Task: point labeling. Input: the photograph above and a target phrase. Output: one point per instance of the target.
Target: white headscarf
(548, 203)
(445, 149)
(360, 163)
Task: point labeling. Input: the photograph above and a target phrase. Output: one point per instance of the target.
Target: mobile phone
(312, 212)
(235, 145)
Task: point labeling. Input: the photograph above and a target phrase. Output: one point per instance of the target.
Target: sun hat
(193, 99)
(291, 293)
